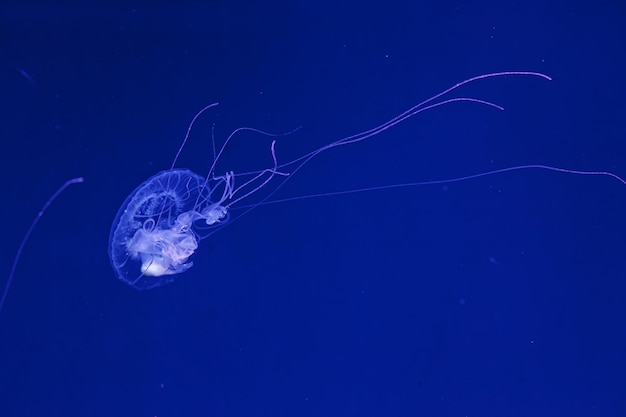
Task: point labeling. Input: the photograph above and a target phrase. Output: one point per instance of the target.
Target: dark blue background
(502, 296)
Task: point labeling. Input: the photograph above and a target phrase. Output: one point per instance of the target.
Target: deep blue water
(499, 296)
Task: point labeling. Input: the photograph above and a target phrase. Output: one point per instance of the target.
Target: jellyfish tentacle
(28, 233)
(272, 171)
(193, 121)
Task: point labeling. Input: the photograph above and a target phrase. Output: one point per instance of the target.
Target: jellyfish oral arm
(163, 252)
(216, 212)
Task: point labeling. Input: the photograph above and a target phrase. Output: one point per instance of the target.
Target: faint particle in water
(27, 77)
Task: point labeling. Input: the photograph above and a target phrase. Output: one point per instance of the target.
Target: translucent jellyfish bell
(158, 227)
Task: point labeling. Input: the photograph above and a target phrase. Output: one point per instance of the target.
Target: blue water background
(501, 296)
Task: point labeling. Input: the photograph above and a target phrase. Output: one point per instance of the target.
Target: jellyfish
(155, 227)
(159, 227)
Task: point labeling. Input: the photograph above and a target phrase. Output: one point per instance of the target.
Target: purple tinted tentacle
(28, 233)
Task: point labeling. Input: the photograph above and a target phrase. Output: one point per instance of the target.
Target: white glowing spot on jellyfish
(159, 227)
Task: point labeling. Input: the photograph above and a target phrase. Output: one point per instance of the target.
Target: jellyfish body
(157, 229)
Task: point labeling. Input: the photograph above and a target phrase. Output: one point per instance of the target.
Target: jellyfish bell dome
(157, 228)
